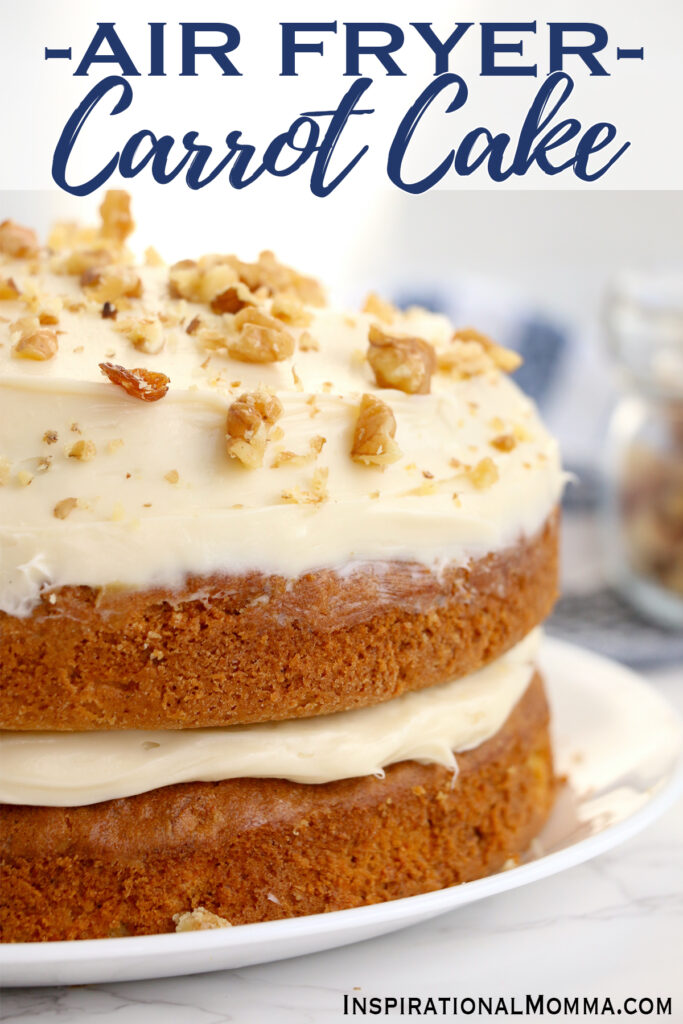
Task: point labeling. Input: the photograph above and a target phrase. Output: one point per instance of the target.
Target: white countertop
(611, 927)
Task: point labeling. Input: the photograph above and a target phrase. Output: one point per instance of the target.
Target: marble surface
(612, 927)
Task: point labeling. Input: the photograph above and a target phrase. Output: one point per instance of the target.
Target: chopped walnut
(287, 458)
(81, 261)
(152, 257)
(107, 284)
(50, 437)
(201, 281)
(521, 433)
(232, 300)
(290, 310)
(108, 311)
(140, 383)
(199, 920)
(504, 442)
(249, 419)
(465, 359)
(145, 334)
(373, 439)
(39, 344)
(484, 474)
(17, 241)
(276, 278)
(206, 279)
(65, 507)
(117, 221)
(173, 476)
(422, 490)
(315, 496)
(406, 364)
(307, 343)
(24, 477)
(504, 358)
(379, 308)
(261, 339)
(8, 289)
(84, 451)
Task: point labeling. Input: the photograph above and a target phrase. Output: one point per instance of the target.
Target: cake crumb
(199, 920)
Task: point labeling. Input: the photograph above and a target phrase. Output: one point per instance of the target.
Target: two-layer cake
(270, 582)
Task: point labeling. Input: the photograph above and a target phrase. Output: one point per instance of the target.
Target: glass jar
(644, 455)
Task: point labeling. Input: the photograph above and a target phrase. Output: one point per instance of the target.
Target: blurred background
(587, 285)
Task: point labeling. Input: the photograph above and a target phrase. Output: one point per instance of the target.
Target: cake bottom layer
(255, 850)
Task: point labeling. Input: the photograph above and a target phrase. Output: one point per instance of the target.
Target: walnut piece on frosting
(314, 496)
(273, 277)
(375, 306)
(291, 310)
(233, 299)
(84, 451)
(80, 261)
(8, 289)
(227, 284)
(249, 420)
(473, 352)
(373, 439)
(117, 220)
(39, 344)
(199, 920)
(406, 364)
(17, 241)
(504, 442)
(65, 507)
(287, 458)
(261, 338)
(484, 474)
(107, 284)
(144, 333)
(146, 385)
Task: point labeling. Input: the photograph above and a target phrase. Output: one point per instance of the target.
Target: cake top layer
(219, 416)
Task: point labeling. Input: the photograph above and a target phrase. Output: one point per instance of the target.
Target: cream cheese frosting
(430, 726)
(157, 496)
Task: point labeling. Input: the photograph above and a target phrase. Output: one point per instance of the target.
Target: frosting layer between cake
(73, 769)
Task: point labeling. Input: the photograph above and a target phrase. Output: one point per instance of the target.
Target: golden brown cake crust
(231, 650)
(127, 866)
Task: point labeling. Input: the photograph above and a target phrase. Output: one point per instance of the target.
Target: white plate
(617, 740)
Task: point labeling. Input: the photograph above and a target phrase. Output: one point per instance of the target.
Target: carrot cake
(271, 577)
